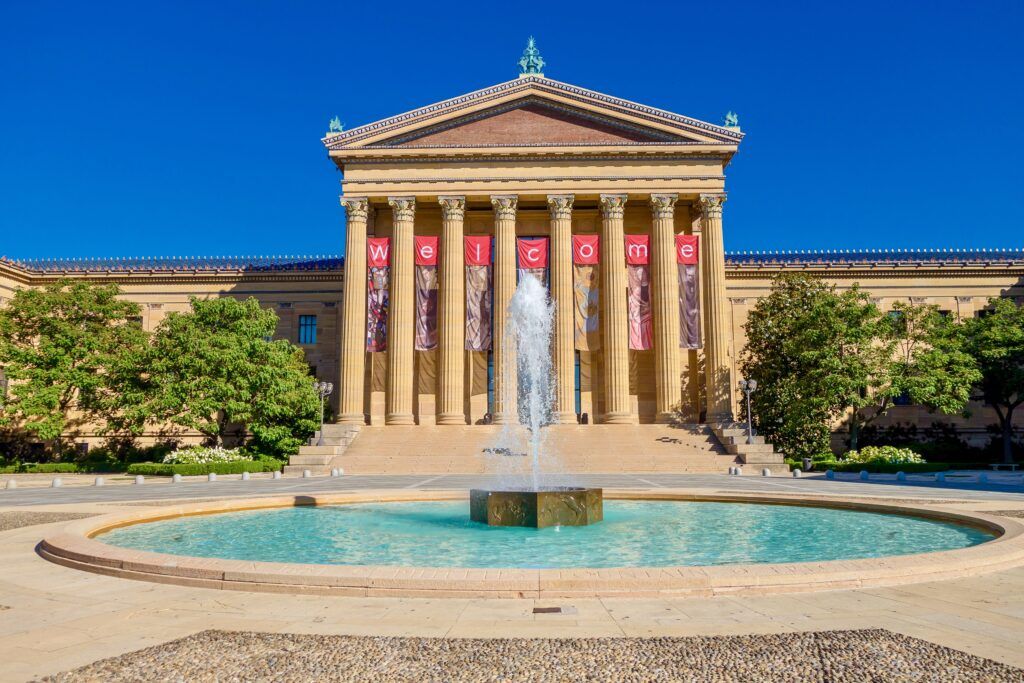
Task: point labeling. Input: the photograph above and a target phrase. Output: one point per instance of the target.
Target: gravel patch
(165, 502)
(17, 519)
(832, 656)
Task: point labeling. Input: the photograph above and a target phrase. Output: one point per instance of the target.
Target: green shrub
(41, 468)
(878, 467)
(884, 454)
(159, 469)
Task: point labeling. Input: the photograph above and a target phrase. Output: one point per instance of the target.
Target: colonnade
(613, 311)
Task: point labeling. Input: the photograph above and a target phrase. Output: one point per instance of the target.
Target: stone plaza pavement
(53, 619)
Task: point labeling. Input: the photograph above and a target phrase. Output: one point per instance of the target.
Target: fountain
(528, 330)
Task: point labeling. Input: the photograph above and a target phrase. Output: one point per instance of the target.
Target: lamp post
(323, 389)
(748, 386)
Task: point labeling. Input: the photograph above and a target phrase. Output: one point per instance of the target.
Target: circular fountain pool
(634, 533)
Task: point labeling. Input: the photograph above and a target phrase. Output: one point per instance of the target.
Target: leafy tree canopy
(996, 341)
(215, 369)
(58, 345)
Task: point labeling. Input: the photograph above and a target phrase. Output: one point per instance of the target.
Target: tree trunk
(1008, 437)
(854, 430)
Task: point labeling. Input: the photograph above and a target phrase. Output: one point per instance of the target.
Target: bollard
(983, 478)
(739, 471)
(56, 483)
(766, 472)
(335, 472)
(139, 480)
(276, 474)
(11, 484)
(940, 478)
(863, 475)
(732, 470)
(796, 473)
(176, 478)
(98, 481)
(245, 476)
(901, 476)
(306, 474)
(829, 474)
(212, 476)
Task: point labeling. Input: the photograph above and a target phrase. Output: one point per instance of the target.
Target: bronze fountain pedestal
(554, 506)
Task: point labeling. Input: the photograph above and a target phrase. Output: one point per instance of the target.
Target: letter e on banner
(585, 250)
(378, 251)
(478, 250)
(638, 250)
(426, 250)
(686, 249)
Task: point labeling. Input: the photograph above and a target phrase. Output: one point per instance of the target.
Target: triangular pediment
(531, 121)
(533, 111)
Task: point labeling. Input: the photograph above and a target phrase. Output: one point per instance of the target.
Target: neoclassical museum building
(616, 207)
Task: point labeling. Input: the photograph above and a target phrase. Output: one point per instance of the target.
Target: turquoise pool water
(633, 534)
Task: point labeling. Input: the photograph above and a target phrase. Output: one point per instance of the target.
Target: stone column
(614, 323)
(665, 299)
(716, 313)
(398, 406)
(560, 261)
(451, 313)
(505, 381)
(353, 323)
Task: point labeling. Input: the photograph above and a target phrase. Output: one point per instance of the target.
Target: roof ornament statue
(732, 120)
(531, 64)
(335, 126)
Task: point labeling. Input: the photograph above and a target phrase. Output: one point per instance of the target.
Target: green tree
(215, 370)
(996, 341)
(58, 345)
(818, 353)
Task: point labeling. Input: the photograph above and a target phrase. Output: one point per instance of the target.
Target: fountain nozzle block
(555, 506)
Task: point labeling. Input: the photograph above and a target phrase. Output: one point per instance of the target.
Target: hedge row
(159, 469)
(874, 467)
(42, 468)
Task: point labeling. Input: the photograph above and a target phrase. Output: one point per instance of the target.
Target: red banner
(585, 250)
(533, 252)
(426, 250)
(686, 249)
(638, 250)
(478, 250)
(378, 251)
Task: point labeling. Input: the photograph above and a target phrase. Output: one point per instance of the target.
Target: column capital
(356, 207)
(711, 204)
(453, 206)
(613, 205)
(404, 208)
(663, 205)
(560, 205)
(505, 205)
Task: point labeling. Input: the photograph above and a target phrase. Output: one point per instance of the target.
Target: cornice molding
(537, 179)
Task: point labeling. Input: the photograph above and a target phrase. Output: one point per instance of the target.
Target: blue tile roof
(183, 263)
(875, 256)
(335, 262)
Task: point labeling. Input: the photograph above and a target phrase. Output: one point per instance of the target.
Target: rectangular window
(307, 329)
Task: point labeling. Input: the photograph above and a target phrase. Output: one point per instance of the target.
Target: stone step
(737, 448)
(314, 470)
(308, 460)
(728, 440)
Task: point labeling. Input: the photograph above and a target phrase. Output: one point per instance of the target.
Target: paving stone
(833, 656)
(18, 519)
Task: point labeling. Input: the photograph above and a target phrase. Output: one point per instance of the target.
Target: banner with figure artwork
(687, 254)
(585, 279)
(425, 261)
(533, 258)
(638, 271)
(378, 260)
(478, 292)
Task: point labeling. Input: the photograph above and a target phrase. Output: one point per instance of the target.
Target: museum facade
(617, 208)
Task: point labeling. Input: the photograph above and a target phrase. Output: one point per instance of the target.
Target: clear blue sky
(192, 128)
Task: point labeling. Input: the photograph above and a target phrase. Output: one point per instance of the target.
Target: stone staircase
(571, 449)
(318, 459)
(756, 456)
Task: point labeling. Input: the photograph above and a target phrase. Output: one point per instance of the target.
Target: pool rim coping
(75, 546)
